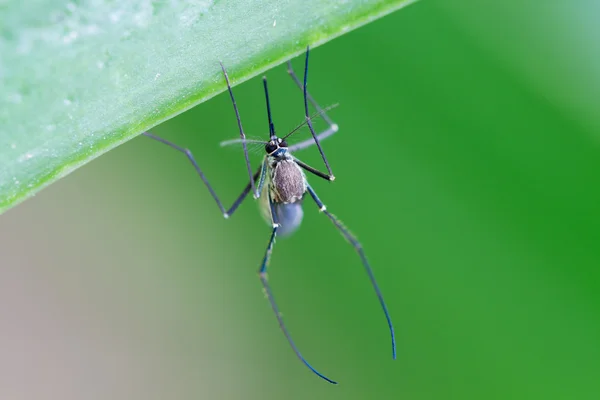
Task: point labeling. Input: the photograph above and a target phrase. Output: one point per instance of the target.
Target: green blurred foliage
(467, 164)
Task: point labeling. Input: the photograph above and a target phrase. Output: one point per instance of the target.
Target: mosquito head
(276, 147)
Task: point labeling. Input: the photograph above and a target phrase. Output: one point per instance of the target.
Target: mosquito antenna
(234, 141)
(271, 126)
(320, 113)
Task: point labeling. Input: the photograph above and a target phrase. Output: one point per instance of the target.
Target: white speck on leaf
(70, 37)
(116, 16)
(15, 98)
(193, 11)
(91, 30)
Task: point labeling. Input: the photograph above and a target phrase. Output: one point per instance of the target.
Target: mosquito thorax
(276, 147)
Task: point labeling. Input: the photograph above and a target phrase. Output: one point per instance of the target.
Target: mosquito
(280, 184)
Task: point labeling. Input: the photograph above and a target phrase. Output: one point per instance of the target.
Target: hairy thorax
(288, 182)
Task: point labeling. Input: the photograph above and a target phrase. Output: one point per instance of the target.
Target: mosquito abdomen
(289, 217)
(288, 181)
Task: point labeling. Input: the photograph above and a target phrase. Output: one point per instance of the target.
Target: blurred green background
(467, 163)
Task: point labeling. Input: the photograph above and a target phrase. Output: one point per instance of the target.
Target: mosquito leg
(262, 273)
(271, 126)
(307, 115)
(292, 73)
(243, 195)
(313, 170)
(333, 127)
(358, 247)
(239, 122)
(261, 182)
(190, 156)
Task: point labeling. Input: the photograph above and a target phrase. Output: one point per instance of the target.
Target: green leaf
(81, 77)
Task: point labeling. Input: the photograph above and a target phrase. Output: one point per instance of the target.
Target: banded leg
(239, 122)
(262, 273)
(358, 247)
(333, 127)
(190, 156)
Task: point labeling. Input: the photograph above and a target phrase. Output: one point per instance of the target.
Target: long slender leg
(313, 170)
(190, 156)
(358, 247)
(239, 122)
(333, 127)
(271, 126)
(308, 120)
(262, 273)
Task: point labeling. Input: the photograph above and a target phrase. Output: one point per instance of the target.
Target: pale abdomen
(288, 215)
(286, 185)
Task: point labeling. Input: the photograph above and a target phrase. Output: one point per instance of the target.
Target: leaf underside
(80, 78)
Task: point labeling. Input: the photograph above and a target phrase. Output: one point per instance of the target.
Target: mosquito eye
(283, 144)
(270, 147)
